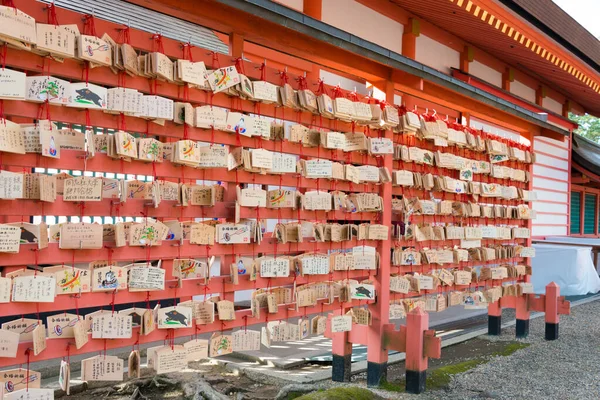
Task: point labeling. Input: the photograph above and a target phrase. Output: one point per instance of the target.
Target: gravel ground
(568, 368)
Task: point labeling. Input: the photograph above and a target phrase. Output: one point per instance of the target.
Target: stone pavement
(318, 348)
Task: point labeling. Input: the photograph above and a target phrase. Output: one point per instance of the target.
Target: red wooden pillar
(409, 38)
(508, 76)
(341, 350)
(313, 8)
(418, 349)
(522, 311)
(540, 93)
(228, 259)
(494, 318)
(377, 355)
(566, 108)
(552, 295)
(466, 57)
(552, 304)
(236, 44)
(419, 344)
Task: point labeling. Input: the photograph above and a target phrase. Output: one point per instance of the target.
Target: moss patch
(394, 387)
(511, 348)
(294, 395)
(341, 393)
(440, 378)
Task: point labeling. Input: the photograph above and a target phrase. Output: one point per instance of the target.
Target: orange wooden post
(494, 318)
(553, 304)
(313, 8)
(341, 350)
(522, 327)
(377, 355)
(236, 44)
(466, 57)
(409, 38)
(229, 196)
(421, 343)
(540, 93)
(566, 109)
(551, 300)
(508, 76)
(522, 306)
(522, 309)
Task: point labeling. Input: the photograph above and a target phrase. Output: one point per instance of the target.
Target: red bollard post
(551, 300)
(553, 305)
(421, 344)
(494, 318)
(341, 350)
(522, 327)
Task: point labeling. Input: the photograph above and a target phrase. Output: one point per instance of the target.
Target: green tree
(589, 126)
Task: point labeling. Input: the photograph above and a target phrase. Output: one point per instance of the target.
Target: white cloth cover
(570, 267)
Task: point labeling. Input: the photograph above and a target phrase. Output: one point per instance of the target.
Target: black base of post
(341, 368)
(376, 374)
(494, 325)
(551, 331)
(522, 328)
(415, 381)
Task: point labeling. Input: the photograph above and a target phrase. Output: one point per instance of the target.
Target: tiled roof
(555, 22)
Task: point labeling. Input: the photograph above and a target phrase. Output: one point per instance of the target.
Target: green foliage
(589, 126)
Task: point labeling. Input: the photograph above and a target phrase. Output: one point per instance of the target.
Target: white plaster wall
(496, 130)
(550, 180)
(333, 79)
(485, 73)
(293, 4)
(363, 22)
(519, 89)
(436, 55)
(552, 105)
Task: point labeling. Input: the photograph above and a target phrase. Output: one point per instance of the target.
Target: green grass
(341, 393)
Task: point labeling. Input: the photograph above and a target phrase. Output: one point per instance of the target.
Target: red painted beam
(52, 255)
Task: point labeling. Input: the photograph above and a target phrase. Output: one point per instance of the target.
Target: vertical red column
(228, 259)
(508, 76)
(466, 58)
(417, 322)
(377, 356)
(236, 44)
(552, 295)
(522, 327)
(341, 350)
(313, 8)
(522, 302)
(409, 38)
(494, 318)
